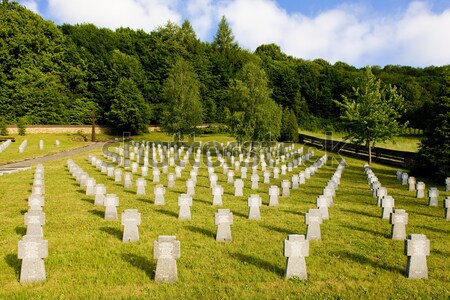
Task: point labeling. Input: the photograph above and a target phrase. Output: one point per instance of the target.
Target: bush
(21, 125)
(3, 127)
(213, 129)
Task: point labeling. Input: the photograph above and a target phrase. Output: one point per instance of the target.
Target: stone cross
(295, 181)
(266, 176)
(243, 172)
(111, 203)
(322, 204)
(171, 180)
(285, 188)
(190, 187)
(417, 248)
(127, 180)
(110, 171)
(99, 191)
(447, 184)
(131, 219)
(41, 145)
(230, 176)
(213, 177)
(217, 192)
(307, 173)
(185, 203)
(223, 219)
(159, 192)
(411, 184)
(156, 174)
(296, 248)
(32, 251)
(274, 192)
(166, 250)
(433, 194)
(34, 219)
(238, 188)
(276, 173)
(420, 189)
(144, 171)
(398, 219)
(447, 208)
(178, 171)
(399, 174)
(140, 184)
(193, 173)
(375, 186)
(283, 169)
(404, 178)
(387, 203)
(328, 192)
(254, 202)
(381, 192)
(301, 177)
(313, 219)
(254, 179)
(35, 202)
(117, 175)
(90, 185)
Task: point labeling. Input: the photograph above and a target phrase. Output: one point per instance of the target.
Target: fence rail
(404, 159)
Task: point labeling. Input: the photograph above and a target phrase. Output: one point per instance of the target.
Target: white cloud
(31, 5)
(201, 15)
(136, 14)
(418, 37)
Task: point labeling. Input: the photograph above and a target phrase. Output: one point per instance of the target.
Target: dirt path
(42, 159)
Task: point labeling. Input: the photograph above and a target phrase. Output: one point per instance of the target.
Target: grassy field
(355, 259)
(67, 141)
(407, 142)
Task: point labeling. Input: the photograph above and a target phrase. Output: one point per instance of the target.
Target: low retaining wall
(87, 129)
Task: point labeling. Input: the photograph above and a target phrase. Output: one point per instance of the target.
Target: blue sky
(365, 32)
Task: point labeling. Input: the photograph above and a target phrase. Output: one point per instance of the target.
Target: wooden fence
(397, 158)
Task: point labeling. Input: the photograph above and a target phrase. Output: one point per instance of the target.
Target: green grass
(355, 259)
(406, 142)
(67, 141)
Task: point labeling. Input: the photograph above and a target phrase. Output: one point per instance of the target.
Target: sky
(360, 33)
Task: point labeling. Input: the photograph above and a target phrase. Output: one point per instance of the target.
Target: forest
(53, 74)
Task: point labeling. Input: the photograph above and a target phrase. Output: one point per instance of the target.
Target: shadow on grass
(141, 262)
(278, 229)
(21, 230)
(23, 211)
(200, 230)
(203, 201)
(98, 213)
(14, 262)
(433, 229)
(367, 261)
(258, 262)
(88, 200)
(167, 213)
(235, 213)
(359, 212)
(130, 192)
(295, 213)
(146, 200)
(373, 232)
(425, 214)
(113, 231)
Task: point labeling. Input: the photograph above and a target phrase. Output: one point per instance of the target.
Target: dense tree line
(57, 74)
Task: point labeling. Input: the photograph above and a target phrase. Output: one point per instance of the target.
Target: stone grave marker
(159, 192)
(131, 219)
(447, 208)
(171, 180)
(276, 173)
(90, 186)
(41, 145)
(34, 219)
(243, 172)
(283, 169)
(447, 184)
(301, 177)
(266, 176)
(399, 174)
(230, 176)
(285, 188)
(99, 191)
(35, 202)
(398, 219)
(190, 187)
(296, 248)
(295, 181)
(404, 178)
(213, 177)
(223, 218)
(381, 192)
(166, 251)
(387, 204)
(417, 248)
(178, 171)
(117, 175)
(238, 188)
(156, 174)
(254, 179)
(111, 203)
(144, 171)
(322, 204)
(433, 195)
(110, 171)
(274, 192)
(185, 203)
(127, 180)
(32, 251)
(411, 184)
(254, 202)
(217, 192)
(140, 185)
(420, 190)
(313, 219)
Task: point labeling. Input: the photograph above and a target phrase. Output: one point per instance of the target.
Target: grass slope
(355, 259)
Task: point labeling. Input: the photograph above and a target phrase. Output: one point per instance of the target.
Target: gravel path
(42, 159)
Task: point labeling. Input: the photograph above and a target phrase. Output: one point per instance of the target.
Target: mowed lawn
(355, 259)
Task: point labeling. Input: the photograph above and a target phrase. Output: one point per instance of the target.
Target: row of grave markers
(417, 246)
(419, 188)
(5, 145)
(32, 249)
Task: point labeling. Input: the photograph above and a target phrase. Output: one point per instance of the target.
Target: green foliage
(254, 116)
(22, 125)
(289, 126)
(183, 110)
(373, 114)
(3, 126)
(434, 151)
